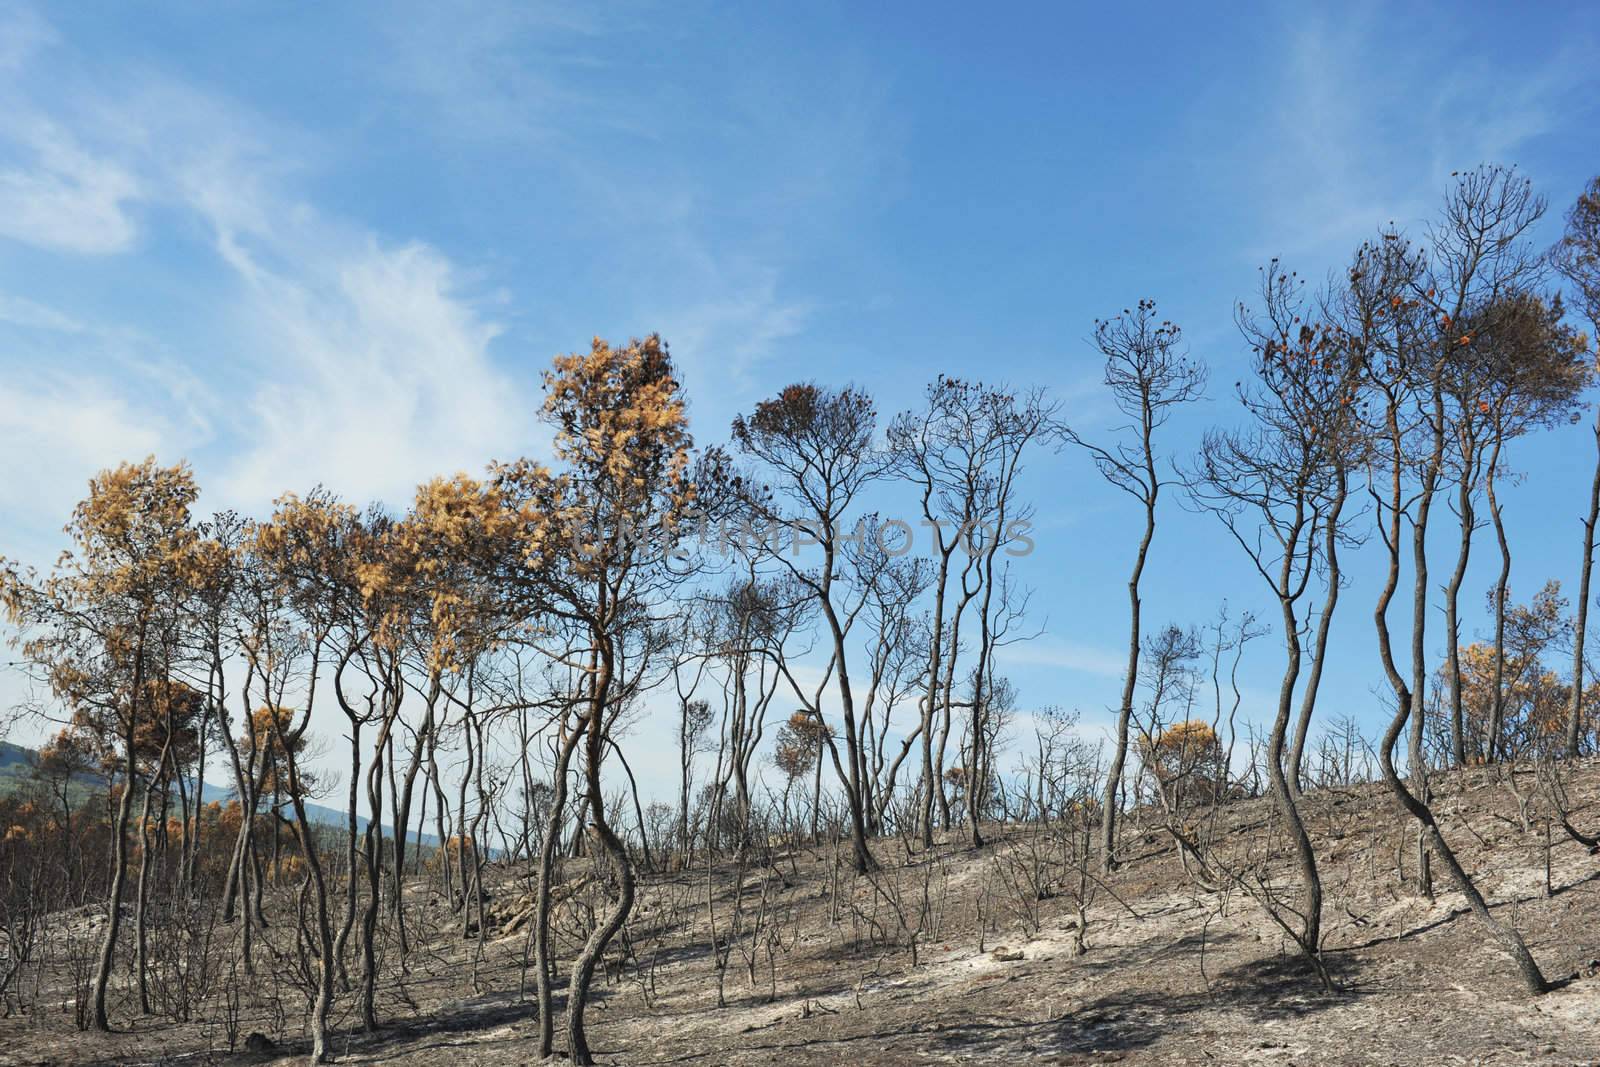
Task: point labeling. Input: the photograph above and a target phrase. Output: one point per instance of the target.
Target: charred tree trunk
(1309, 936)
(1506, 937)
(119, 874)
(1119, 754)
(1416, 754)
(595, 736)
(1319, 651)
(1452, 598)
(119, 847)
(327, 957)
(1581, 616)
(548, 846)
(1497, 697)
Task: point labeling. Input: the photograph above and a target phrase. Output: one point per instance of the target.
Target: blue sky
(340, 247)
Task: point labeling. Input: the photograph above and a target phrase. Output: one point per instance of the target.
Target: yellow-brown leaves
(304, 535)
(115, 595)
(16, 591)
(1184, 742)
(267, 722)
(1533, 697)
(440, 562)
(622, 431)
(170, 722)
(274, 737)
(132, 531)
(1187, 753)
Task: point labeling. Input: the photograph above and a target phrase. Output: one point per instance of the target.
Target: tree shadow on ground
(452, 1018)
(1271, 989)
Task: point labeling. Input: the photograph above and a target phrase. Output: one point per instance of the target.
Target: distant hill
(11, 755)
(16, 770)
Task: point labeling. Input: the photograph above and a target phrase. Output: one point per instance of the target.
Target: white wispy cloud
(385, 379)
(56, 431)
(587, 107)
(1097, 660)
(496, 71)
(726, 337)
(30, 314)
(77, 398)
(355, 359)
(1359, 128)
(22, 34)
(364, 359)
(60, 196)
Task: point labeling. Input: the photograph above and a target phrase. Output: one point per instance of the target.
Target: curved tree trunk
(1452, 617)
(1319, 652)
(1310, 934)
(1507, 938)
(402, 811)
(1581, 616)
(847, 711)
(547, 859)
(352, 835)
(119, 845)
(141, 935)
(931, 697)
(1119, 756)
(887, 794)
(977, 781)
(374, 867)
(327, 957)
(947, 699)
(1417, 755)
(119, 875)
(638, 808)
(1497, 698)
(594, 949)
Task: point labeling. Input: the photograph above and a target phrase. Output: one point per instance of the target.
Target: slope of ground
(1172, 974)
